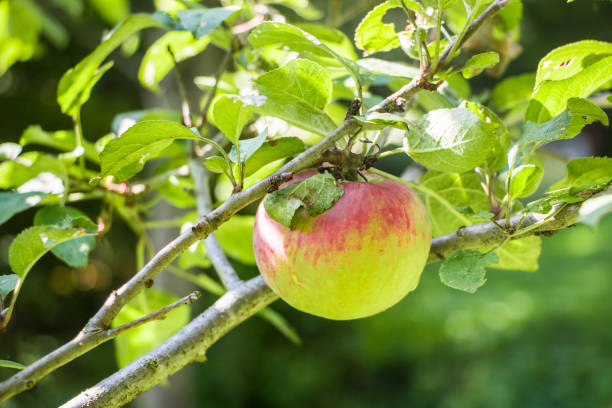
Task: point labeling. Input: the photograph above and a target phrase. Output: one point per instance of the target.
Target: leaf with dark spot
(315, 195)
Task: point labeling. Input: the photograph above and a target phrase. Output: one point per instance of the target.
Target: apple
(358, 258)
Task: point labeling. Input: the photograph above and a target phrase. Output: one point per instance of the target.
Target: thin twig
(222, 68)
(214, 252)
(185, 109)
(158, 315)
(472, 28)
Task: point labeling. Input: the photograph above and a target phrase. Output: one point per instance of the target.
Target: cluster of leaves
(286, 86)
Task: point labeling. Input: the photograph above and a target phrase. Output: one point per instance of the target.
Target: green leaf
(573, 70)
(332, 48)
(372, 35)
(525, 180)
(13, 203)
(579, 113)
(236, 238)
(14, 173)
(112, 11)
(585, 171)
(202, 22)
(9, 151)
(7, 284)
(19, 32)
(450, 140)
(519, 254)
(11, 364)
(291, 38)
(216, 164)
(302, 8)
(271, 151)
(389, 68)
(123, 121)
(44, 182)
(178, 192)
(126, 155)
(75, 85)
(470, 212)
(157, 61)
(230, 113)
(137, 341)
(479, 62)
(465, 269)
(499, 134)
(593, 210)
(380, 120)
(335, 39)
(570, 59)
(248, 147)
(62, 140)
(444, 193)
(315, 195)
(434, 3)
(34, 242)
(513, 92)
(281, 324)
(194, 256)
(297, 93)
(76, 251)
(541, 205)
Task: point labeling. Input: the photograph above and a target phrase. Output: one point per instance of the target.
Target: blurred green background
(539, 339)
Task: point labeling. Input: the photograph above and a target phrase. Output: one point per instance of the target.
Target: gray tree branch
(179, 350)
(214, 252)
(188, 345)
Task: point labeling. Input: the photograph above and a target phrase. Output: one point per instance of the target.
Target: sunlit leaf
(519, 254)
(75, 85)
(477, 63)
(444, 193)
(230, 113)
(525, 180)
(62, 140)
(297, 93)
(372, 35)
(573, 70)
(216, 164)
(34, 242)
(123, 121)
(566, 125)
(158, 61)
(271, 151)
(74, 252)
(513, 92)
(236, 238)
(585, 171)
(450, 140)
(248, 147)
(9, 151)
(126, 155)
(499, 134)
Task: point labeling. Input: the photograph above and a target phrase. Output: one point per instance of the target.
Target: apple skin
(360, 257)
